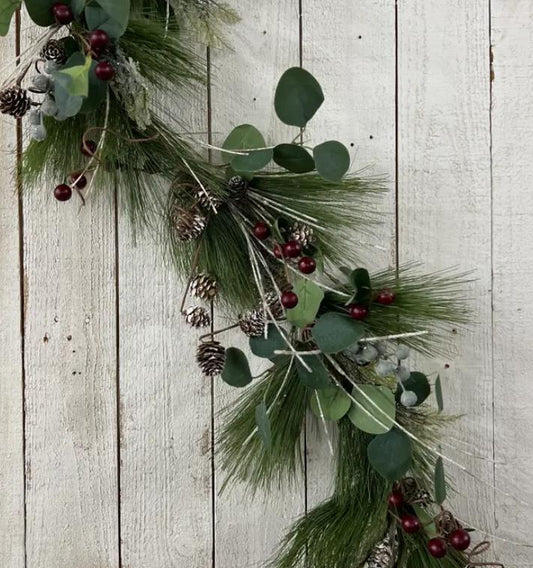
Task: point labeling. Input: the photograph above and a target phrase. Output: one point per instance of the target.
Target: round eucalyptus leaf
(375, 409)
(298, 97)
(265, 347)
(310, 296)
(40, 11)
(236, 372)
(318, 377)
(293, 158)
(245, 138)
(417, 383)
(332, 160)
(390, 454)
(331, 403)
(335, 332)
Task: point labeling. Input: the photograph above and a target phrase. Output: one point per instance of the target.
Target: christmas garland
(268, 246)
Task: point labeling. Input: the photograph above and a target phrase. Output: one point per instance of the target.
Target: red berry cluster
(459, 539)
(76, 180)
(290, 249)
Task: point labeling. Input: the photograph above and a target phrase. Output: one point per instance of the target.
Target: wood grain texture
(512, 143)
(265, 43)
(11, 377)
(358, 78)
(444, 221)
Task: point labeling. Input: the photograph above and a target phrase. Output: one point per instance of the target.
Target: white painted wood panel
(512, 143)
(444, 220)
(11, 397)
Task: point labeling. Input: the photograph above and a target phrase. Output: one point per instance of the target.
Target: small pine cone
(423, 498)
(302, 234)
(188, 223)
(384, 553)
(206, 200)
(252, 323)
(54, 50)
(15, 101)
(197, 316)
(204, 287)
(275, 306)
(211, 357)
(237, 187)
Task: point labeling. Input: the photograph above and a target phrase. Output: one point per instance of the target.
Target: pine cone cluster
(211, 357)
(302, 234)
(15, 102)
(54, 50)
(204, 287)
(197, 316)
(189, 224)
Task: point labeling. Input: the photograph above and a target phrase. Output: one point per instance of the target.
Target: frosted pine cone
(204, 287)
(15, 101)
(275, 306)
(252, 323)
(206, 200)
(383, 555)
(188, 223)
(301, 233)
(54, 50)
(237, 186)
(211, 357)
(196, 316)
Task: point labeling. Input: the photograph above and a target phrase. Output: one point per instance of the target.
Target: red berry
(104, 71)
(62, 14)
(460, 539)
(81, 182)
(278, 251)
(89, 148)
(292, 249)
(357, 311)
(63, 192)
(385, 297)
(410, 524)
(289, 300)
(261, 230)
(307, 265)
(437, 547)
(395, 500)
(98, 39)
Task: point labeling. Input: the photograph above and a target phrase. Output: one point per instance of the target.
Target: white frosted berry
(51, 67)
(403, 373)
(40, 82)
(402, 352)
(385, 368)
(408, 398)
(38, 132)
(49, 107)
(35, 117)
(381, 346)
(368, 353)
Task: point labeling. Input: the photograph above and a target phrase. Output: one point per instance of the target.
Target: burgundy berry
(289, 300)
(307, 265)
(261, 230)
(78, 180)
(395, 500)
(437, 547)
(98, 39)
(357, 311)
(410, 524)
(89, 148)
(385, 297)
(460, 539)
(63, 192)
(62, 14)
(278, 251)
(104, 71)
(292, 249)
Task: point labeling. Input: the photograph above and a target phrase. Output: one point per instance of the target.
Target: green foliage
(245, 138)
(377, 416)
(438, 393)
(440, 482)
(262, 346)
(310, 296)
(391, 454)
(294, 158)
(362, 288)
(40, 11)
(76, 73)
(109, 15)
(419, 384)
(263, 425)
(332, 160)
(7, 9)
(336, 332)
(317, 377)
(331, 403)
(236, 372)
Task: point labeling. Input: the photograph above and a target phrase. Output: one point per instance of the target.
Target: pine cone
(302, 234)
(204, 287)
(197, 316)
(252, 323)
(15, 101)
(211, 357)
(384, 553)
(206, 200)
(54, 50)
(237, 186)
(274, 304)
(188, 223)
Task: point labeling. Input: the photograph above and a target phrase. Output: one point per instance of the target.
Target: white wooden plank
(265, 43)
(70, 362)
(11, 382)
(445, 204)
(512, 128)
(350, 48)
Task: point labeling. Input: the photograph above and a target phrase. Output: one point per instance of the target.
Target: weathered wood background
(105, 424)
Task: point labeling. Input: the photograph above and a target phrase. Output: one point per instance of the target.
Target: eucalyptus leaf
(298, 97)
(419, 384)
(77, 83)
(426, 518)
(7, 9)
(440, 482)
(310, 296)
(332, 160)
(360, 280)
(390, 454)
(40, 11)
(68, 105)
(376, 417)
(236, 372)
(246, 137)
(438, 394)
(335, 332)
(97, 91)
(318, 377)
(265, 347)
(77, 6)
(263, 425)
(331, 403)
(112, 16)
(294, 158)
